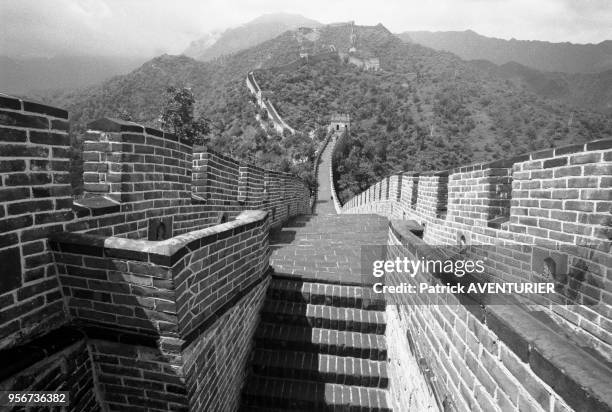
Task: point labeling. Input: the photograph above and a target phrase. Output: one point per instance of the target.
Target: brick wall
(558, 206)
(168, 294)
(228, 265)
(35, 200)
(137, 305)
(215, 363)
(207, 375)
(409, 389)
(483, 358)
(134, 174)
(279, 124)
(64, 366)
(227, 185)
(114, 284)
(138, 377)
(550, 204)
(131, 163)
(161, 288)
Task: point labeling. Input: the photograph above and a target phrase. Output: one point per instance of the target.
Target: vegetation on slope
(426, 110)
(542, 55)
(220, 96)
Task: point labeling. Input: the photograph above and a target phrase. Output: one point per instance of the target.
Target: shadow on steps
(318, 347)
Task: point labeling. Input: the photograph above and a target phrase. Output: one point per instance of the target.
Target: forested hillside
(591, 91)
(221, 97)
(542, 55)
(425, 110)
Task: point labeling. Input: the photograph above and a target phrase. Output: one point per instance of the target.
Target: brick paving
(320, 344)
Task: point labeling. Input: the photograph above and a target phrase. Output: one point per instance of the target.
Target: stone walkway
(320, 344)
(325, 246)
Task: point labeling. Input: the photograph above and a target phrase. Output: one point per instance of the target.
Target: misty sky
(152, 27)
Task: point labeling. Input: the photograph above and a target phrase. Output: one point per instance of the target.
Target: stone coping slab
(575, 374)
(165, 252)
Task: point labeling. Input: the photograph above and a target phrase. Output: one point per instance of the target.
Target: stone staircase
(320, 344)
(321, 351)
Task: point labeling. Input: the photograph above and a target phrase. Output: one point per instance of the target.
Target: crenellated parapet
(540, 217)
(553, 196)
(121, 294)
(223, 184)
(129, 163)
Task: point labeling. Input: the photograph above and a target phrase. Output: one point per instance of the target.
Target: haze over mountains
(586, 83)
(263, 28)
(219, 85)
(22, 75)
(541, 55)
(424, 110)
(585, 90)
(577, 74)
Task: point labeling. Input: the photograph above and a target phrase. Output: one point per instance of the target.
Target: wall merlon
(117, 153)
(36, 200)
(552, 198)
(118, 262)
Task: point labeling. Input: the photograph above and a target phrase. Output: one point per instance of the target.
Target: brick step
(340, 221)
(331, 228)
(321, 316)
(357, 236)
(320, 368)
(297, 395)
(326, 341)
(336, 218)
(334, 224)
(317, 293)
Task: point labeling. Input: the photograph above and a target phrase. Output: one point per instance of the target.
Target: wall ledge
(578, 376)
(95, 206)
(114, 125)
(165, 252)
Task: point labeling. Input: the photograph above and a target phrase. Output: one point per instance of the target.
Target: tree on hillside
(178, 116)
(124, 114)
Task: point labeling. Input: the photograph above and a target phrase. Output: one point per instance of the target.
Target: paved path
(325, 246)
(325, 204)
(320, 345)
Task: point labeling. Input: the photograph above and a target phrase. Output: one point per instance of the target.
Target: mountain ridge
(542, 55)
(425, 109)
(258, 30)
(586, 90)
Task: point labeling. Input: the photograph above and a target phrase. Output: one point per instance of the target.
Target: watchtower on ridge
(340, 122)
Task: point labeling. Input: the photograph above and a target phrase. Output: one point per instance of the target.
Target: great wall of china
(187, 280)
(96, 299)
(263, 98)
(520, 213)
(264, 102)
